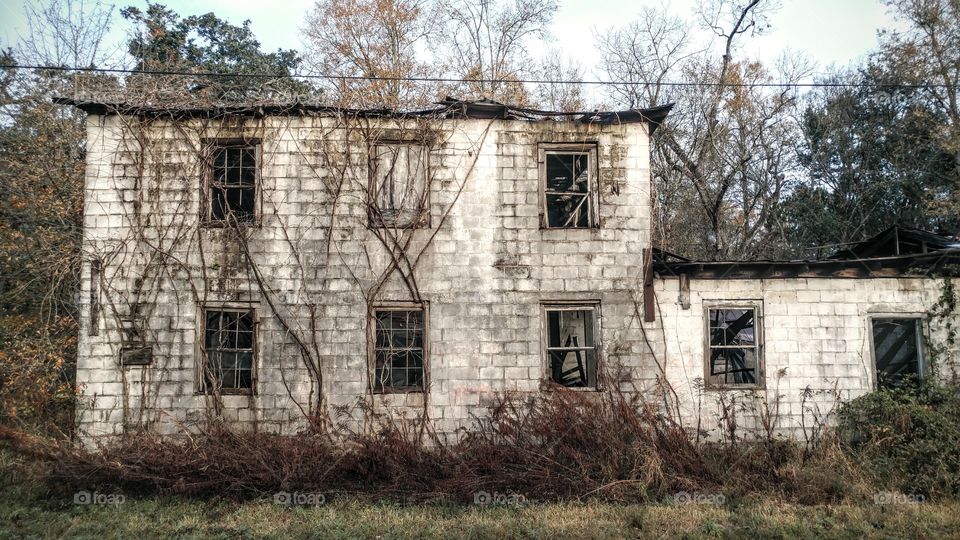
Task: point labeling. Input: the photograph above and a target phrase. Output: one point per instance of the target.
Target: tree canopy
(165, 41)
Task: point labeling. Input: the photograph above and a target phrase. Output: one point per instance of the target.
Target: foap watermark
(95, 497)
(684, 497)
(485, 498)
(887, 98)
(296, 498)
(892, 497)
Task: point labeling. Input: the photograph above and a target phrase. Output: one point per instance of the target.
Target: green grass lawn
(38, 517)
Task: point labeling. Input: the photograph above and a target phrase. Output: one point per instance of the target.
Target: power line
(490, 81)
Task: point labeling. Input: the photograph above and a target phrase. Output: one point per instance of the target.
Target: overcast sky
(827, 31)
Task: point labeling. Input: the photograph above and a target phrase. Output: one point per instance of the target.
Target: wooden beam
(649, 299)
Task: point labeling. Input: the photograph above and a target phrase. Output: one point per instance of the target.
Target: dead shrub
(573, 444)
(559, 445)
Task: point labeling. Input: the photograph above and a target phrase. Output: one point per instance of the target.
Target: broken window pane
(229, 342)
(398, 347)
(399, 184)
(897, 352)
(571, 351)
(734, 352)
(567, 189)
(233, 186)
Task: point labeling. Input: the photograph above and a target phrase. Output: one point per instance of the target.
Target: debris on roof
(446, 108)
(897, 241)
(895, 252)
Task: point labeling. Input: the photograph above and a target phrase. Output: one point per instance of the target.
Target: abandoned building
(262, 265)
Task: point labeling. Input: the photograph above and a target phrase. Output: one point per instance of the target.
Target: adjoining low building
(807, 335)
(263, 265)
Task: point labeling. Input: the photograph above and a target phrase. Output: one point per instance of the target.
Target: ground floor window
(229, 337)
(398, 349)
(571, 345)
(733, 346)
(897, 350)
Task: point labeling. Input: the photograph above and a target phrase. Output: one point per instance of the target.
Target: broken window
(568, 186)
(229, 338)
(398, 173)
(571, 345)
(734, 347)
(897, 350)
(232, 192)
(398, 349)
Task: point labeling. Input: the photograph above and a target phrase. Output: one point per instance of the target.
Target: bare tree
(66, 33)
(369, 38)
(651, 49)
(566, 94)
(484, 40)
(724, 158)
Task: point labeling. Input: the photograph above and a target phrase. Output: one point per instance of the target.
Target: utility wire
(492, 81)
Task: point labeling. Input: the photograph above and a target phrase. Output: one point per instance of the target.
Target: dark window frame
(202, 386)
(376, 218)
(759, 347)
(592, 198)
(211, 147)
(372, 348)
(546, 349)
(920, 320)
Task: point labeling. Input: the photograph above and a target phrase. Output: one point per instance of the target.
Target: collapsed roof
(897, 251)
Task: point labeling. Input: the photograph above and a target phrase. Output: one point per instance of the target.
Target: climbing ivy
(943, 315)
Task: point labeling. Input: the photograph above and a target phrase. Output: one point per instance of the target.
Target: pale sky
(827, 31)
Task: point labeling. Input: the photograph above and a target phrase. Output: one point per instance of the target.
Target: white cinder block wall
(816, 343)
(484, 273)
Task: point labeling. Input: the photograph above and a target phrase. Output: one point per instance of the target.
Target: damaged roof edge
(448, 108)
(894, 252)
(933, 264)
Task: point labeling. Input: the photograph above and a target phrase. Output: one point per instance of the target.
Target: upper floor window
(568, 185)
(232, 182)
(897, 350)
(571, 345)
(398, 185)
(398, 349)
(733, 347)
(229, 338)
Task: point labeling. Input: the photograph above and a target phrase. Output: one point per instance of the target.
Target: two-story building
(264, 265)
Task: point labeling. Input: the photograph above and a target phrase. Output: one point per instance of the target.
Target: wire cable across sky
(454, 80)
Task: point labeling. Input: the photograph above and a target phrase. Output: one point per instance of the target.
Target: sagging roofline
(448, 108)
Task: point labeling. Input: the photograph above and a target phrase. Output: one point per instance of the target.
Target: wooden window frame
(423, 221)
(201, 352)
(593, 192)
(210, 146)
(921, 319)
(571, 305)
(759, 346)
(424, 308)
